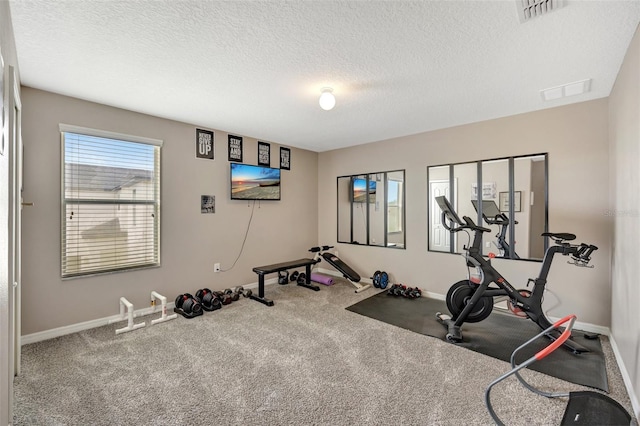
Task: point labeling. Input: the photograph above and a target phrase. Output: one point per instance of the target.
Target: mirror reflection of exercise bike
(493, 216)
(471, 300)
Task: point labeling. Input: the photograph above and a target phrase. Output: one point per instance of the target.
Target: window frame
(64, 201)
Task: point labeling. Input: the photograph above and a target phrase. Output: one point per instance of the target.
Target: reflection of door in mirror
(439, 237)
(395, 209)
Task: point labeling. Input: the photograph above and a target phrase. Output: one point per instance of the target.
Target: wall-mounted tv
(254, 182)
(359, 191)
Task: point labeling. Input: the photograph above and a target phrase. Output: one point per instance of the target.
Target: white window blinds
(110, 202)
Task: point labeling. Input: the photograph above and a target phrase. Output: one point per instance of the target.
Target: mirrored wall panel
(371, 209)
(507, 195)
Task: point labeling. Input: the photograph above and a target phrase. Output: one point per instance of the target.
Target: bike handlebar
(468, 224)
(582, 254)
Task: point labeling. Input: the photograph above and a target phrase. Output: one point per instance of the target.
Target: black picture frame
(264, 154)
(204, 144)
(503, 201)
(285, 158)
(235, 148)
(207, 204)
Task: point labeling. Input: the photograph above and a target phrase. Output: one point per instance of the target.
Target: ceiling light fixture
(327, 101)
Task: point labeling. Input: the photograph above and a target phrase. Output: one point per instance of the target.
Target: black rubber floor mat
(497, 336)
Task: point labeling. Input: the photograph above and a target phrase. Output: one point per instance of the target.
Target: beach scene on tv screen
(254, 182)
(360, 192)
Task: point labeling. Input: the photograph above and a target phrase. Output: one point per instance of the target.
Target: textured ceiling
(256, 68)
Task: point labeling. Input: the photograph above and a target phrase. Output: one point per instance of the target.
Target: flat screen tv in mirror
(254, 182)
(359, 192)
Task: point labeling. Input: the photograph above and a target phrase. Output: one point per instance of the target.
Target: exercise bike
(333, 260)
(471, 300)
(493, 216)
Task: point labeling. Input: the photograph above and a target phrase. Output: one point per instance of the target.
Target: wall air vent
(528, 9)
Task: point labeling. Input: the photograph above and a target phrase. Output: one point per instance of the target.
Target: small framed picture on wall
(285, 158)
(264, 154)
(235, 148)
(207, 204)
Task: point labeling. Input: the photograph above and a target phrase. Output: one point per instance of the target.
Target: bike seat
(562, 236)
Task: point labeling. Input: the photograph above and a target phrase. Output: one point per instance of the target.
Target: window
(110, 201)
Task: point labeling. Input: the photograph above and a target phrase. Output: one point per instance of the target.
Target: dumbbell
(416, 293)
(243, 292)
(225, 298)
(294, 276)
(283, 277)
(239, 291)
(400, 288)
(392, 289)
(409, 293)
(188, 304)
(208, 299)
(232, 294)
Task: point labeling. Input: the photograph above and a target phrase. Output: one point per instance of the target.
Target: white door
(15, 223)
(439, 236)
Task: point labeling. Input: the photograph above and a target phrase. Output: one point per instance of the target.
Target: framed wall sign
(488, 190)
(285, 158)
(235, 148)
(264, 154)
(504, 201)
(204, 144)
(207, 204)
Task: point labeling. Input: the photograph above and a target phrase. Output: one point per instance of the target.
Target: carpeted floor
(306, 360)
(497, 336)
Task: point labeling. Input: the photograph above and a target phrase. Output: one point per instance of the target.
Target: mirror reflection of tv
(359, 193)
(254, 182)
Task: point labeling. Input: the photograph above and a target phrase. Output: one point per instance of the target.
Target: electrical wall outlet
(216, 267)
(488, 245)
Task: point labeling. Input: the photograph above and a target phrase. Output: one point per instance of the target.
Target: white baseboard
(625, 377)
(87, 325)
(74, 328)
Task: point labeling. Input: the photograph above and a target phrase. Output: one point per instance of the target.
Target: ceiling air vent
(528, 9)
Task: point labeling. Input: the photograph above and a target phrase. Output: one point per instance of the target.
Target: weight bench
(277, 267)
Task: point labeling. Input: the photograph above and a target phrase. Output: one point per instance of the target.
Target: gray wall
(576, 138)
(191, 241)
(624, 136)
(8, 48)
